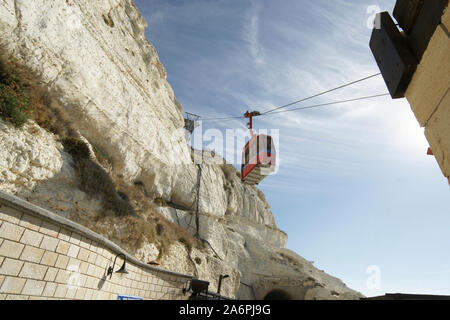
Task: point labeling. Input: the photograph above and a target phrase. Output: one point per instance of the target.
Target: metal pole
(221, 277)
(220, 284)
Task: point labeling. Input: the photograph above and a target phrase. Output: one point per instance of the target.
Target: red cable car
(258, 157)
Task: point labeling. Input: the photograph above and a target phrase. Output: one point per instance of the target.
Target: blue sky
(355, 187)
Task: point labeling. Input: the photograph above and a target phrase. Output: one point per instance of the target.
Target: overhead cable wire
(296, 102)
(306, 107)
(217, 119)
(322, 93)
(328, 104)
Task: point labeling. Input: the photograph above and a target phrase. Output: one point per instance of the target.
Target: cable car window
(246, 157)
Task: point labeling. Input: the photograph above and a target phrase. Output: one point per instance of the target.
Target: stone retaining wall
(45, 256)
(429, 93)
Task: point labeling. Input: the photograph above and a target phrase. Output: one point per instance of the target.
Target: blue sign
(124, 297)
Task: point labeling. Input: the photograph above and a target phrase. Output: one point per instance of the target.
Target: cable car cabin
(258, 159)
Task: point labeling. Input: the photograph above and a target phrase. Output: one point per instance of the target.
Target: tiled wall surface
(44, 256)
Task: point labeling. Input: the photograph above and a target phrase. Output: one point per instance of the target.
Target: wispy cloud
(251, 34)
(224, 57)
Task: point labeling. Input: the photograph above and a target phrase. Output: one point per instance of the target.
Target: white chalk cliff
(102, 70)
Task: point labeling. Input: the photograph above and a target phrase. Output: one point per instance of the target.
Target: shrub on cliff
(23, 96)
(14, 96)
(13, 105)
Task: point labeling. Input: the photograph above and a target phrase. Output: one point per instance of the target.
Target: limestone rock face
(27, 157)
(34, 166)
(94, 57)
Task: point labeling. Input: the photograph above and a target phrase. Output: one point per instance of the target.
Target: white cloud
(287, 57)
(227, 56)
(251, 34)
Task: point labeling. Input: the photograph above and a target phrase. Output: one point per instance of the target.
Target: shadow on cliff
(102, 194)
(94, 180)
